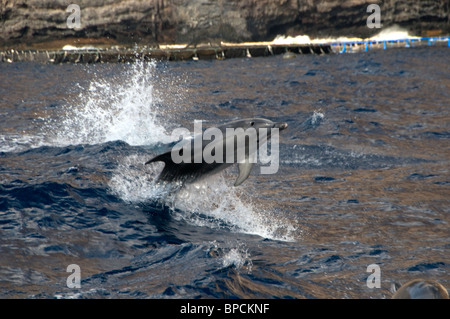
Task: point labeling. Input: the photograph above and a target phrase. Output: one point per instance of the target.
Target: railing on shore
(366, 45)
(114, 55)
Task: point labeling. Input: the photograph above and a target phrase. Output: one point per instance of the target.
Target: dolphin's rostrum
(200, 156)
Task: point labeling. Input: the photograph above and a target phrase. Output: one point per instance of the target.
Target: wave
(20, 142)
(392, 33)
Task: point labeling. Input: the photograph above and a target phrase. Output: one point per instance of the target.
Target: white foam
(17, 142)
(317, 117)
(133, 181)
(121, 107)
(299, 39)
(212, 202)
(392, 33)
(69, 47)
(237, 257)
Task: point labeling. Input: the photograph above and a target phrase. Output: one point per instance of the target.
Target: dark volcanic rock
(27, 22)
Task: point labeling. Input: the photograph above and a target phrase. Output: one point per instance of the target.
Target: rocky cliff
(28, 23)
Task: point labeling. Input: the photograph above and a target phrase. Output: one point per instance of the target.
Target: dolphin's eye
(252, 123)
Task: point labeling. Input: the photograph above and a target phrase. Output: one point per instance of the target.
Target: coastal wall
(43, 23)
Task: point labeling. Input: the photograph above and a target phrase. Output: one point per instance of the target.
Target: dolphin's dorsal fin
(244, 171)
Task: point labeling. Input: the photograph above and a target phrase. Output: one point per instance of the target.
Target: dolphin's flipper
(244, 171)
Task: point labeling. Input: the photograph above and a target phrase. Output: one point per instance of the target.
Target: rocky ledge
(44, 24)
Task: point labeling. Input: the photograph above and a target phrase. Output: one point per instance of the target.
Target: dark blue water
(363, 178)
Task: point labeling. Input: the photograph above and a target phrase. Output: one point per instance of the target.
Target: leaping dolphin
(234, 142)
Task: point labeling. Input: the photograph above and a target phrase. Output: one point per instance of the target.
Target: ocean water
(363, 178)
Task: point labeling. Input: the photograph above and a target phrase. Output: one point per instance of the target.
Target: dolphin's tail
(169, 166)
(161, 158)
(183, 172)
(171, 172)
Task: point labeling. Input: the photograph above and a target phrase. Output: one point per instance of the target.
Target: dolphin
(225, 148)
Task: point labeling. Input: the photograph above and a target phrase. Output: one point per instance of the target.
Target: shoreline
(116, 54)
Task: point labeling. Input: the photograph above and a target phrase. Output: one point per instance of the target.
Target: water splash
(238, 257)
(317, 117)
(216, 203)
(134, 183)
(212, 202)
(118, 107)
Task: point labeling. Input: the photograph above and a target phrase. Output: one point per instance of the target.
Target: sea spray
(211, 202)
(122, 106)
(226, 206)
(232, 254)
(135, 183)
